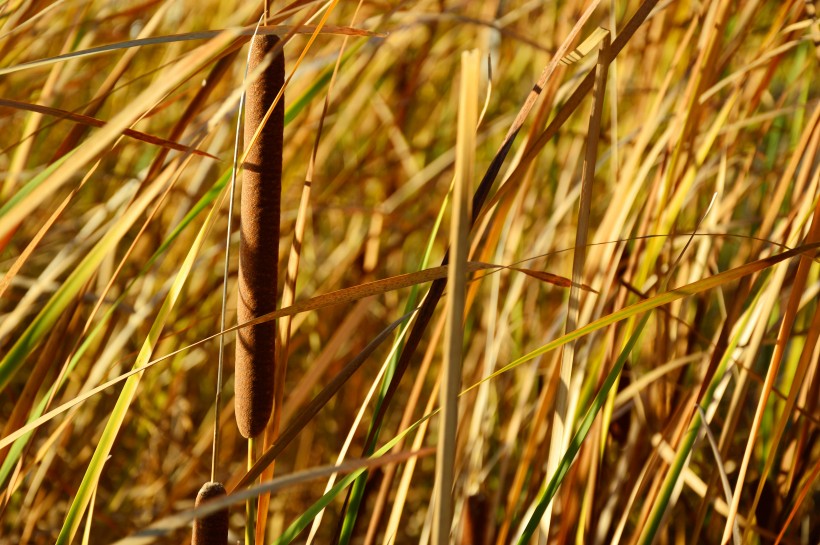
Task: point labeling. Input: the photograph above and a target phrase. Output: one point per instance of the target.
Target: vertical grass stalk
(456, 294)
(565, 398)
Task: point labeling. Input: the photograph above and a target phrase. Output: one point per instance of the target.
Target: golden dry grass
(672, 268)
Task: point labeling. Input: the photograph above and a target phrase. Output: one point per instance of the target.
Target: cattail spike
(211, 529)
(259, 243)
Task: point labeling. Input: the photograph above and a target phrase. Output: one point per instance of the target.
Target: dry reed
(707, 103)
(259, 244)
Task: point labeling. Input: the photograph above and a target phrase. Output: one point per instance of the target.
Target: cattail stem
(259, 242)
(250, 504)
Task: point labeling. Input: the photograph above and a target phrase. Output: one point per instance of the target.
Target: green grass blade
(301, 522)
(293, 110)
(200, 205)
(32, 184)
(688, 441)
(357, 492)
(575, 445)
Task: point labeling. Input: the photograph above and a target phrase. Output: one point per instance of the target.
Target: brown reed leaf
(94, 122)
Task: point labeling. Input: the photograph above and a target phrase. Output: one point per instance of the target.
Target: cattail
(476, 517)
(259, 243)
(211, 529)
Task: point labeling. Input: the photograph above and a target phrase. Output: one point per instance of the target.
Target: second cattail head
(211, 529)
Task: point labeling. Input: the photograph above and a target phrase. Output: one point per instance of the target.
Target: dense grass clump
(574, 277)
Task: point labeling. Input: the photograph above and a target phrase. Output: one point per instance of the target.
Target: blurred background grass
(707, 102)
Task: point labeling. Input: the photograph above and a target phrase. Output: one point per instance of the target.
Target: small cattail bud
(211, 529)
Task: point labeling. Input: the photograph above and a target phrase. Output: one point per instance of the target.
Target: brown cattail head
(259, 242)
(476, 520)
(211, 529)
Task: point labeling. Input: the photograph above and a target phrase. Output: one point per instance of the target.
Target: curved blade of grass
(568, 458)
(95, 466)
(94, 122)
(658, 300)
(187, 37)
(357, 491)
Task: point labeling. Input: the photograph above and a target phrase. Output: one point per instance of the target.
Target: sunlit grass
(607, 328)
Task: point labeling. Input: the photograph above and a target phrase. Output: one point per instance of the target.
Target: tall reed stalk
(456, 295)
